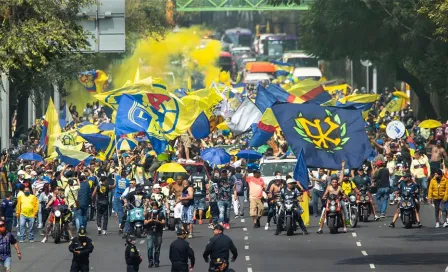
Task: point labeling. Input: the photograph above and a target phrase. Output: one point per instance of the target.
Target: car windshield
(269, 169)
(303, 62)
(275, 48)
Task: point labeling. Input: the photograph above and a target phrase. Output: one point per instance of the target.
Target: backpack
(239, 184)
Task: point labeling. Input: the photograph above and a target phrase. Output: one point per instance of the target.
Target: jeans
(154, 243)
(439, 207)
(392, 181)
(8, 222)
(382, 196)
(22, 226)
(271, 211)
(224, 211)
(118, 207)
(102, 215)
(345, 209)
(238, 206)
(83, 215)
(316, 195)
(423, 184)
(110, 198)
(76, 217)
(39, 215)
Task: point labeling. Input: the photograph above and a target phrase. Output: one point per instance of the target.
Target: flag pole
(116, 149)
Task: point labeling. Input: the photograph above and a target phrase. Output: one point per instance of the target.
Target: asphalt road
(371, 246)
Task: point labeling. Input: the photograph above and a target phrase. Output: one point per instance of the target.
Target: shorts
(187, 214)
(6, 263)
(185, 140)
(199, 203)
(256, 207)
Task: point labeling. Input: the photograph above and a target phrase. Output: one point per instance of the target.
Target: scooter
(137, 218)
(352, 208)
(61, 216)
(333, 214)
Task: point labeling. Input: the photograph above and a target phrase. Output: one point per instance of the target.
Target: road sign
(366, 63)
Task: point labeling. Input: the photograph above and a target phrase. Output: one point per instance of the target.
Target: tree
(403, 34)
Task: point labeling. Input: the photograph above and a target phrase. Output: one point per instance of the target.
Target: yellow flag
(53, 127)
(393, 106)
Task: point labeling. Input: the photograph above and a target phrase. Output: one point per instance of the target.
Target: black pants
(80, 267)
(281, 218)
(179, 267)
(132, 268)
(102, 215)
(214, 212)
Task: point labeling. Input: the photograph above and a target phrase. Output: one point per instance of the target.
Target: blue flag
(99, 141)
(201, 127)
(327, 135)
(301, 171)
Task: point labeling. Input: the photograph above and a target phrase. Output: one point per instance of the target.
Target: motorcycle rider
(274, 195)
(348, 187)
(288, 193)
(218, 247)
(134, 199)
(333, 188)
(363, 180)
(53, 202)
(408, 185)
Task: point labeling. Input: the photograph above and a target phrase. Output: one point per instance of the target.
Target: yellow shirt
(27, 206)
(71, 195)
(348, 187)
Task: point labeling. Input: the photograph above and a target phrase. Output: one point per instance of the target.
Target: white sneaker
(445, 224)
(104, 232)
(39, 226)
(44, 240)
(266, 227)
(437, 225)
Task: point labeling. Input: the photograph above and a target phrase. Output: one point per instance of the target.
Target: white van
(303, 73)
(269, 167)
(254, 78)
(300, 59)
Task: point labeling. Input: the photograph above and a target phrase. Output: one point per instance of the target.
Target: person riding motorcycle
(274, 195)
(218, 248)
(291, 193)
(348, 187)
(54, 201)
(408, 187)
(362, 182)
(333, 188)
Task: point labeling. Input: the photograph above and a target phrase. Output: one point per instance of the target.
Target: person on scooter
(333, 188)
(288, 193)
(218, 247)
(134, 199)
(407, 185)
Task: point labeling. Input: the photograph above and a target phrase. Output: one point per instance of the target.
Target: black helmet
(181, 232)
(130, 238)
(82, 231)
(218, 227)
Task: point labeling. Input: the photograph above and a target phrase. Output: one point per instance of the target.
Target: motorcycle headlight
(352, 198)
(333, 202)
(57, 213)
(403, 204)
(288, 206)
(366, 198)
(409, 203)
(362, 198)
(332, 208)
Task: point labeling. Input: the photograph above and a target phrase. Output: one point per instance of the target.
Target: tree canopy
(407, 35)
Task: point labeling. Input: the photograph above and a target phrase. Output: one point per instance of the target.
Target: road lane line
(247, 258)
(358, 244)
(372, 266)
(246, 238)
(249, 269)
(246, 247)
(142, 241)
(446, 269)
(244, 229)
(243, 220)
(364, 253)
(354, 234)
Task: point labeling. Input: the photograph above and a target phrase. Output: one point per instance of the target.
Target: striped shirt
(5, 245)
(38, 185)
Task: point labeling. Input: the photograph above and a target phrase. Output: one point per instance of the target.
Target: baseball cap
(180, 232)
(278, 177)
(290, 181)
(218, 227)
(82, 231)
(156, 186)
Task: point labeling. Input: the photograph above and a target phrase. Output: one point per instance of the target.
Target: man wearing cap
(132, 255)
(256, 188)
(103, 204)
(81, 247)
(180, 252)
(219, 247)
(6, 240)
(381, 177)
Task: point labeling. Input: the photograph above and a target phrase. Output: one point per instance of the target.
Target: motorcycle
(289, 222)
(61, 216)
(353, 212)
(407, 210)
(364, 206)
(171, 205)
(137, 218)
(333, 214)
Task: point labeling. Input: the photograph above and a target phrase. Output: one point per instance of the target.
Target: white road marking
(246, 247)
(243, 220)
(432, 204)
(446, 269)
(246, 238)
(372, 266)
(358, 244)
(244, 229)
(247, 258)
(249, 269)
(364, 253)
(142, 241)
(354, 234)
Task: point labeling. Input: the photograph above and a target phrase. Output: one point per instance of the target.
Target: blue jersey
(122, 184)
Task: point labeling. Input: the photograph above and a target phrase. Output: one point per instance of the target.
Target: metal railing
(236, 5)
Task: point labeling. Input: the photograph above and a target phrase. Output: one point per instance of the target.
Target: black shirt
(136, 199)
(103, 194)
(219, 246)
(155, 228)
(382, 178)
(82, 244)
(132, 255)
(180, 252)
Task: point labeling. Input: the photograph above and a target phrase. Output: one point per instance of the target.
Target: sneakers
(21, 241)
(419, 225)
(445, 224)
(392, 225)
(190, 236)
(277, 232)
(99, 230)
(237, 216)
(437, 225)
(39, 226)
(200, 222)
(266, 227)
(210, 226)
(377, 218)
(256, 226)
(226, 226)
(31, 241)
(104, 232)
(305, 232)
(319, 231)
(383, 215)
(44, 240)
(156, 265)
(258, 222)
(392, 202)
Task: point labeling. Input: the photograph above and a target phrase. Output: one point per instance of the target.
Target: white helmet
(290, 181)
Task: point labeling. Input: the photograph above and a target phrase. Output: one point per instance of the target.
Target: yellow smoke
(186, 48)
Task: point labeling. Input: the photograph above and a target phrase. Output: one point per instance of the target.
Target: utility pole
(4, 112)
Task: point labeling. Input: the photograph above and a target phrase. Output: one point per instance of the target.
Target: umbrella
(215, 156)
(171, 167)
(249, 154)
(106, 126)
(263, 148)
(430, 123)
(30, 157)
(126, 144)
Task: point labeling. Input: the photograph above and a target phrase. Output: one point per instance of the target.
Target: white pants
(178, 210)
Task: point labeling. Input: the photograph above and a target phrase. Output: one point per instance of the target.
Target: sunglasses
(132, 183)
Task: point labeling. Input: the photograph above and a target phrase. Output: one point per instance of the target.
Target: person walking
(81, 247)
(84, 200)
(7, 211)
(26, 210)
(6, 240)
(187, 200)
(381, 177)
(438, 195)
(180, 252)
(102, 215)
(256, 188)
(239, 186)
(154, 223)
